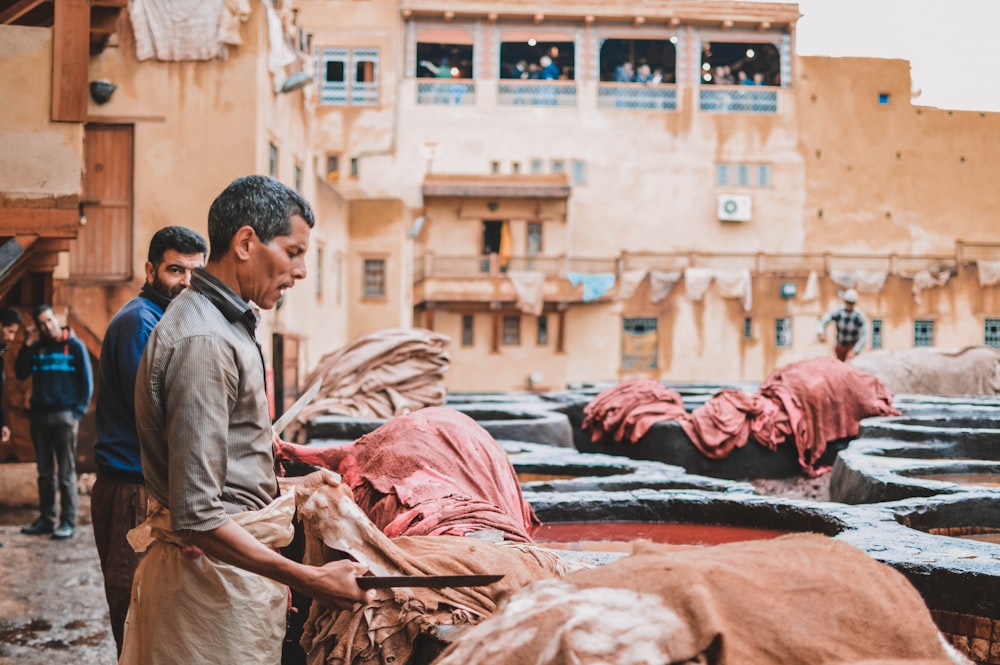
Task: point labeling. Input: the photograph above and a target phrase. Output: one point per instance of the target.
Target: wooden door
(102, 251)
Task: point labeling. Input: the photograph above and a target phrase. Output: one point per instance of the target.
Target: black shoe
(39, 527)
(63, 531)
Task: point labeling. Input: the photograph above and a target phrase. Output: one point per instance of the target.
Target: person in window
(441, 71)
(550, 71)
(644, 74)
(852, 326)
(520, 70)
(624, 73)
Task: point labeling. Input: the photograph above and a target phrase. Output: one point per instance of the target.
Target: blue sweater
(61, 374)
(116, 451)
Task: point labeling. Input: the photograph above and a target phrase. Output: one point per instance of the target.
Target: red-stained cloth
(626, 411)
(825, 400)
(722, 423)
(434, 471)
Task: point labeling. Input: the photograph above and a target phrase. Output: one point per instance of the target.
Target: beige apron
(187, 611)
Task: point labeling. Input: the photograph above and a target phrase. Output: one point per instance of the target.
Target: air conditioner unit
(733, 208)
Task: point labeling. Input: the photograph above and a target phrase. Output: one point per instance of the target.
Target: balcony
(738, 99)
(486, 278)
(447, 92)
(637, 96)
(536, 93)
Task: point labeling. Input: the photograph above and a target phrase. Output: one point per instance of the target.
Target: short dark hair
(178, 238)
(264, 204)
(41, 309)
(9, 316)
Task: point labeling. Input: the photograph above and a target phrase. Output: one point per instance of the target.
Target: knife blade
(295, 409)
(436, 581)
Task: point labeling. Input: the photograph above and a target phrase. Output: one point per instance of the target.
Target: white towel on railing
(865, 281)
(697, 281)
(661, 283)
(989, 272)
(925, 279)
(529, 286)
(811, 291)
(844, 278)
(629, 283)
(735, 284)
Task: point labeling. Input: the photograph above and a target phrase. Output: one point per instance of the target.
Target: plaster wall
(39, 159)
(895, 176)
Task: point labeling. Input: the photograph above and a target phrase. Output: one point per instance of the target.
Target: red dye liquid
(618, 536)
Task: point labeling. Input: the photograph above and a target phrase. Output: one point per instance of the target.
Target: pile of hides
(384, 632)
(380, 375)
(812, 401)
(796, 599)
(431, 472)
(974, 370)
(628, 410)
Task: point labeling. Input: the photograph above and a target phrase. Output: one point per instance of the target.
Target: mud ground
(52, 607)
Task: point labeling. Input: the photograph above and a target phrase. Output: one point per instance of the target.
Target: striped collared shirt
(201, 409)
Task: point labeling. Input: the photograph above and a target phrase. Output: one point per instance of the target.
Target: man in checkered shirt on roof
(852, 326)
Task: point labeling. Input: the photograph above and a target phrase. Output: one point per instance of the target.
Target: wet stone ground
(52, 607)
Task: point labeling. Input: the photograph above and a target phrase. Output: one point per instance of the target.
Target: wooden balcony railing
(488, 266)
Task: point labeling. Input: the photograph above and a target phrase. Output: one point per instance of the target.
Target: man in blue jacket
(118, 499)
(61, 387)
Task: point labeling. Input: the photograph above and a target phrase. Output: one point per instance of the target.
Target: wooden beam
(18, 9)
(70, 60)
(44, 222)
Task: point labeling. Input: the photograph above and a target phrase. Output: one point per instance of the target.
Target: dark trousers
(115, 508)
(54, 436)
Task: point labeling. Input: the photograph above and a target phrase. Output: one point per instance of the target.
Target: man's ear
(242, 242)
(150, 272)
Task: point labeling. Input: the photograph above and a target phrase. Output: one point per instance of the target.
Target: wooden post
(70, 60)
(561, 332)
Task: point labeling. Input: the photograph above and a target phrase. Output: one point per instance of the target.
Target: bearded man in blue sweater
(118, 500)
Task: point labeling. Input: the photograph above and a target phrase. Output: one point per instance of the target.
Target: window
(623, 60)
(537, 166)
(991, 333)
(523, 59)
(722, 175)
(374, 278)
(272, 160)
(542, 338)
(332, 168)
(355, 167)
(736, 174)
(783, 332)
(348, 77)
(494, 167)
(639, 343)
(534, 239)
(298, 178)
(515, 167)
(444, 61)
(883, 98)
(876, 333)
(763, 175)
(747, 328)
(467, 338)
(923, 333)
(511, 331)
(558, 166)
(319, 271)
(579, 174)
(730, 63)
(743, 175)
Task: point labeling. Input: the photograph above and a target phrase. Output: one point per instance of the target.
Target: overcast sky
(951, 44)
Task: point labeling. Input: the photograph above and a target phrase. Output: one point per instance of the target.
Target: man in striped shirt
(852, 326)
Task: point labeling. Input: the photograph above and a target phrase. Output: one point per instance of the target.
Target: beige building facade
(559, 230)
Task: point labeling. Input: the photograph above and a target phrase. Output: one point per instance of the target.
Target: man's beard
(164, 290)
